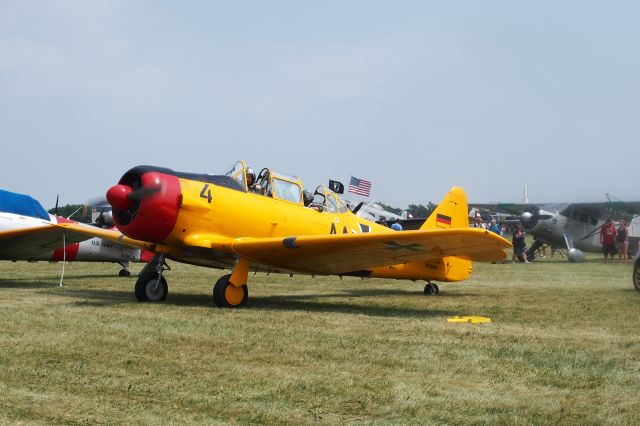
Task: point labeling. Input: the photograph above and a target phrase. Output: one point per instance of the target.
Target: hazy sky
(415, 96)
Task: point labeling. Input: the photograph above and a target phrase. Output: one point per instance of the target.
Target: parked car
(636, 271)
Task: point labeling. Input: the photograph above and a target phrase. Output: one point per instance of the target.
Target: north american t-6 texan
(219, 221)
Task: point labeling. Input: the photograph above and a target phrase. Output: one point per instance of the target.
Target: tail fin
(452, 212)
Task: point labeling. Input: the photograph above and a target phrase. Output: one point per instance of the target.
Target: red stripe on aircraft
(70, 255)
(61, 219)
(146, 256)
(445, 220)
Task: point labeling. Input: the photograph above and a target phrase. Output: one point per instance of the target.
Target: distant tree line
(79, 211)
(422, 211)
(393, 210)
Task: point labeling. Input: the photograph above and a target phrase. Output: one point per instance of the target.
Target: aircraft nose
(526, 218)
(118, 197)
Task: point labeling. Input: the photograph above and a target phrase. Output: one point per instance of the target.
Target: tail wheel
(636, 276)
(226, 294)
(124, 273)
(151, 289)
(431, 289)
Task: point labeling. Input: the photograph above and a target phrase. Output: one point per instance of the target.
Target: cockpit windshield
(286, 190)
(237, 172)
(328, 200)
(318, 195)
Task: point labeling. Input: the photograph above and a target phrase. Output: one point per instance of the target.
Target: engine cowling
(145, 203)
(531, 216)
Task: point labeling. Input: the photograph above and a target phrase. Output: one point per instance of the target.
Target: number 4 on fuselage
(218, 221)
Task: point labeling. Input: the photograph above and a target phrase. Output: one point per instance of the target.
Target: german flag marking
(443, 220)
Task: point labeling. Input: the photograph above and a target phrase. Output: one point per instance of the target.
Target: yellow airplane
(220, 221)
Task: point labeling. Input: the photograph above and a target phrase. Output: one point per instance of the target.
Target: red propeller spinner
(118, 197)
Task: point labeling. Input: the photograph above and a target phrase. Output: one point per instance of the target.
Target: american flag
(359, 186)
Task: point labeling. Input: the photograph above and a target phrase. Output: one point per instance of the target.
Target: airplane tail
(452, 212)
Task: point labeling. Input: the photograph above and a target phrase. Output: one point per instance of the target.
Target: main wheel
(150, 289)
(226, 294)
(124, 273)
(430, 289)
(636, 275)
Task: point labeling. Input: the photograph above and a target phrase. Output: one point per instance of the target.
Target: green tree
(390, 209)
(79, 211)
(419, 210)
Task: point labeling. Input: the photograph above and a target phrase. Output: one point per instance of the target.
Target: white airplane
(26, 234)
(375, 212)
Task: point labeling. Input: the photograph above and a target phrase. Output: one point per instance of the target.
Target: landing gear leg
(124, 272)
(151, 285)
(431, 289)
(231, 290)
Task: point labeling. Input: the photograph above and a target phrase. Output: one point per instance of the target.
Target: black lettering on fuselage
(206, 195)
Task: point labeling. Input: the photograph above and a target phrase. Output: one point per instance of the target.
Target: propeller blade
(123, 197)
(144, 192)
(96, 202)
(93, 202)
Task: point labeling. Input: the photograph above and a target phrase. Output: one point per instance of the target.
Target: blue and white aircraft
(26, 233)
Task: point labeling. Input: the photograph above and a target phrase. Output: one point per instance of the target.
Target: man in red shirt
(608, 239)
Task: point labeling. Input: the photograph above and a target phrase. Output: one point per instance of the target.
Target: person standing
(495, 228)
(623, 241)
(396, 226)
(608, 240)
(519, 245)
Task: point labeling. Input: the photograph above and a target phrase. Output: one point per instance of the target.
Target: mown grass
(563, 348)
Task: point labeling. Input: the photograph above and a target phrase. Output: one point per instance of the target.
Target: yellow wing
(343, 253)
(25, 243)
(109, 235)
(337, 253)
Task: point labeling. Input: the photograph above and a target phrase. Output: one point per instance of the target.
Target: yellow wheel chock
(469, 320)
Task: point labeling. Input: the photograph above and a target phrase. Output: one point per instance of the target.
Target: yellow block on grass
(470, 319)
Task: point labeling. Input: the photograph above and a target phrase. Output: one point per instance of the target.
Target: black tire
(431, 289)
(227, 295)
(636, 275)
(124, 273)
(149, 290)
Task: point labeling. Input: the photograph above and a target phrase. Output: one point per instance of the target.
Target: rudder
(452, 212)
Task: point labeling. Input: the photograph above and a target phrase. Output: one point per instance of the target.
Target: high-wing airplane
(574, 227)
(26, 233)
(217, 221)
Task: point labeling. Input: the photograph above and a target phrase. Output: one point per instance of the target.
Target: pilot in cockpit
(251, 181)
(307, 197)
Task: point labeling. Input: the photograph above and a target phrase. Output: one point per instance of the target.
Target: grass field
(563, 348)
